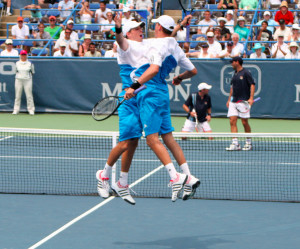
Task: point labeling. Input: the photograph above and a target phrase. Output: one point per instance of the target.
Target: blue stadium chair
(19, 50)
(36, 51)
(26, 19)
(55, 13)
(1, 50)
(79, 27)
(80, 35)
(50, 6)
(94, 5)
(55, 6)
(194, 37)
(92, 28)
(93, 20)
(211, 6)
(103, 52)
(44, 12)
(111, 6)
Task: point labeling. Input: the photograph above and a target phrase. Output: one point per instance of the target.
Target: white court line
(70, 223)
(1, 139)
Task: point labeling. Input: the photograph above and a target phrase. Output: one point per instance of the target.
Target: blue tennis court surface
(150, 224)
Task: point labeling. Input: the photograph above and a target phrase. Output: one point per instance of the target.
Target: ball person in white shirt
(24, 72)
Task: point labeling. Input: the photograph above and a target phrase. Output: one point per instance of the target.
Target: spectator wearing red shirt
(285, 14)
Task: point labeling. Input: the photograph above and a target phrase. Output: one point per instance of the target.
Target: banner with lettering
(74, 86)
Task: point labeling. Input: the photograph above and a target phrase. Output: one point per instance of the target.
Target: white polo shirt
(208, 23)
(99, 13)
(238, 49)
(71, 42)
(12, 53)
(58, 54)
(214, 48)
(20, 33)
(254, 56)
(279, 54)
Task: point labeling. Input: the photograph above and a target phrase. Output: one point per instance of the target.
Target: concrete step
(173, 12)
(24, 12)
(3, 32)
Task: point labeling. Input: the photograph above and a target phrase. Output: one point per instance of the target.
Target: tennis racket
(106, 107)
(243, 106)
(188, 7)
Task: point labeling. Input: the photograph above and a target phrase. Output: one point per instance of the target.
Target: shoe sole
(194, 188)
(181, 187)
(132, 203)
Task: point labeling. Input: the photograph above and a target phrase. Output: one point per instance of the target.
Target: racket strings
(106, 107)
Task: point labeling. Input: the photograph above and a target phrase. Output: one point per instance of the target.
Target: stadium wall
(75, 85)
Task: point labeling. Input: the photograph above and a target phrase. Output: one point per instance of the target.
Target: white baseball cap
(131, 25)
(241, 18)
(63, 44)
(8, 41)
(126, 9)
(70, 21)
(166, 21)
(230, 12)
(267, 13)
(295, 26)
(204, 85)
(210, 34)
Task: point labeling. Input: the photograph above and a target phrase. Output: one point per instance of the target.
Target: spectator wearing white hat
(70, 25)
(9, 51)
(258, 50)
(24, 72)
(72, 45)
(225, 32)
(295, 34)
(279, 49)
(62, 51)
(198, 106)
(271, 22)
(240, 28)
(85, 46)
(293, 51)
(214, 46)
(206, 22)
(230, 21)
(126, 16)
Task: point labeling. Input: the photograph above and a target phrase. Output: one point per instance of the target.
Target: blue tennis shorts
(130, 125)
(154, 108)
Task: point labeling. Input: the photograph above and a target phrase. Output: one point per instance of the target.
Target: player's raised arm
(119, 35)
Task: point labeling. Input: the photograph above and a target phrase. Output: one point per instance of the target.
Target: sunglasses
(20, 21)
(68, 32)
(52, 20)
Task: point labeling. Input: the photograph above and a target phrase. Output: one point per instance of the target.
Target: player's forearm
(149, 74)
(186, 108)
(188, 74)
(122, 42)
(230, 94)
(252, 90)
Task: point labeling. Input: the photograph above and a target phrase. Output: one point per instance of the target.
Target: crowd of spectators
(223, 34)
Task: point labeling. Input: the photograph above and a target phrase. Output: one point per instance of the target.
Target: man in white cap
(229, 21)
(74, 34)
(126, 15)
(72, 45)
(164, 54)
(62, 51)
(280, 49)
(206, 23)
(271, 22)
(198, 107)
(9, 51)
(214, 46)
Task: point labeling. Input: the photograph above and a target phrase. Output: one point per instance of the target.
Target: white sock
(171, 170)
(248, 141)
(235, 141)
(8, 10)
(106, 170)
(124, 178)
(185, 169)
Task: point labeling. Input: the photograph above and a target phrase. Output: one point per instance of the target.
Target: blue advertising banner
(75, 85)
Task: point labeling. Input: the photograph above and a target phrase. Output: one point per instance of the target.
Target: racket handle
(140, 89)
(257, 99)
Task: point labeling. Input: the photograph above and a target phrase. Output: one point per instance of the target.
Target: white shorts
(189, 126)
(233, 111)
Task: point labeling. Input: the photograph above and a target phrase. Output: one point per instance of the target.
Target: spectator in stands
(92, 51)
(8, 6)
(258, 50)
(24, 72)
(282, 30)
(279, 49)
(126, 15)
(295, 35)
(74, 34)
(107, 28)
(145, 5)
(248, 4)
(293, 53)
(86, 14)
(227, 52)
(214, 46)
(225, 32)
(52, 29)
(240, 28)
(207, 21)
(111, 53)
(238, 48)
(20, 31)
(64, 7)
(271, 22)
(217, 33)
(35, 9)
(9, 51)
(40, 35)
(101, 13)
(263, 34)
(227, 4)
(203, 53)
(72, 45)
(230, 21)
(62, 51)
(85, 46)
(284, 14)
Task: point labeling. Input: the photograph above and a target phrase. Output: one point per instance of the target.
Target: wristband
(178, 77)
(181, 26)
(118, 30)
(135, 85)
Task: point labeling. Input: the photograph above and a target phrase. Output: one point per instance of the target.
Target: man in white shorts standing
(198, 106)
(242, 89)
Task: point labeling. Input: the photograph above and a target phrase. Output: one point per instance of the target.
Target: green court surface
(86, 122)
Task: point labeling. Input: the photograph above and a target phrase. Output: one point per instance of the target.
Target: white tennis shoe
(123, 192)
(190, 187)
(103, 185)
(177, 184)
(247, 146)
(233, 147)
